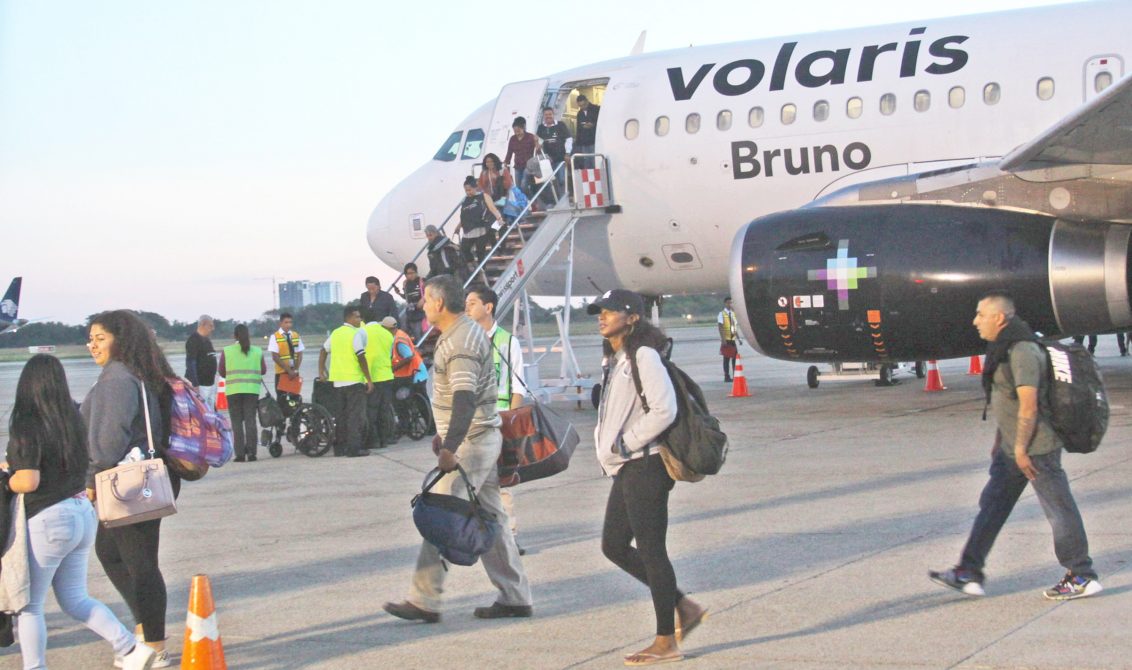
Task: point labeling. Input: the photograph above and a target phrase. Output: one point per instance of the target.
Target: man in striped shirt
(467, 424)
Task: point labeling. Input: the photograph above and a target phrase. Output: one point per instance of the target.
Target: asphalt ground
(811, 548)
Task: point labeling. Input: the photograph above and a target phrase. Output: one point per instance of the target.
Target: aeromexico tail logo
(8, 308)
(827, 67)
(842, 274)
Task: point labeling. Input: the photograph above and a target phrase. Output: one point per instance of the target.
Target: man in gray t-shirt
(467, 429)
(1026, 451)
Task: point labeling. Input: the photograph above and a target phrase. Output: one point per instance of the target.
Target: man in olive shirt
(467, 425)
(1026, 451)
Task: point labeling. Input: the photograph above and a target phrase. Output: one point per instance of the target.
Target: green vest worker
(379, 352)
(346, 349)
(242, 367)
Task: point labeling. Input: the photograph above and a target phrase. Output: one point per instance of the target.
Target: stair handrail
(502, 236)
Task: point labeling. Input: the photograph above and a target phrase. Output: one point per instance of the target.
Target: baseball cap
(618, 300)
(389, 322)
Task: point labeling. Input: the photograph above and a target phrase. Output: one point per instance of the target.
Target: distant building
(295, 295)
(327, 292)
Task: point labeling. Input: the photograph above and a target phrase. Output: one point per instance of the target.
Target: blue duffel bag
(462, 530)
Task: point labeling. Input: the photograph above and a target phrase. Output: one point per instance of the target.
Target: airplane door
(1100, 73)
(519, 99)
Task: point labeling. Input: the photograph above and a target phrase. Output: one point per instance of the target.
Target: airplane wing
(1099, 133)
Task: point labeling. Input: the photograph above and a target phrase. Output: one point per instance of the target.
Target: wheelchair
(309, 427)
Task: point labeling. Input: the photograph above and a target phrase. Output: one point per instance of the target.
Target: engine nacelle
(901, 282)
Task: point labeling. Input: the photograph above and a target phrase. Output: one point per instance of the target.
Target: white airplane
(855, 191)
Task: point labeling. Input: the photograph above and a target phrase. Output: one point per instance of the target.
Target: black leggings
(638, 509)
(129, 556)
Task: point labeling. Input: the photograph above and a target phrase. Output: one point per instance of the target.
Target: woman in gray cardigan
(126, 349)
(625, 438)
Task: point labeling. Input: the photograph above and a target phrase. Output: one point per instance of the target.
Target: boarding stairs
(526, 246)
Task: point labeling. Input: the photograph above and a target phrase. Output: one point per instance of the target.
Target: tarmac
(811, 548)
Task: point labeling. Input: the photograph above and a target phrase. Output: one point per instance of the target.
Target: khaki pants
(477, 456)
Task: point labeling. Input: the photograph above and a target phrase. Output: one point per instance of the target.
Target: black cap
(618, 300)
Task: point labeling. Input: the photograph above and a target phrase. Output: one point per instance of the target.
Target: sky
(179, 157)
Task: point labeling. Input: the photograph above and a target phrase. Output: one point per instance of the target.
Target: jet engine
(900, 282)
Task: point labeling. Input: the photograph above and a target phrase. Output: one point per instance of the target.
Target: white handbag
(136, 491)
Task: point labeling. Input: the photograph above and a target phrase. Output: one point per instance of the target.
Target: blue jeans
(59, 539)
(1000, 494)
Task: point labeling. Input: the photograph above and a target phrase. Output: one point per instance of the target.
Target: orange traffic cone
(935, 382)
(976, 366)
(203, 648)
(221, 395)
(739, 385)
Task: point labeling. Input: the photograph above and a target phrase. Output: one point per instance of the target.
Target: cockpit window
(450, 149)
(473, 144)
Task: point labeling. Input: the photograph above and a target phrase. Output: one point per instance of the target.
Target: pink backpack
(199, 437)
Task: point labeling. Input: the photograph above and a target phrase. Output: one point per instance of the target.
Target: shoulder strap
(148, 421)
(637, 381)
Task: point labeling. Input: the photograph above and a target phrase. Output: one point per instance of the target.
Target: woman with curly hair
(48, 457)
(626, 438)
(133, 367)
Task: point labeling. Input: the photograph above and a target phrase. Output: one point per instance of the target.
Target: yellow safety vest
(344, 366)
(243, 370)
(501, 346)
(285, 352)
(379, 352)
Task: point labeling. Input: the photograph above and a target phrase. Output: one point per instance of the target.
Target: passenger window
(821, 110)
(854, 107)
(888, 104)
(661, 127)
(473, 144)
(789, 113)
(723, 120)
(450, 149)
(992, 93)
(692, 124)
(922, 102)
(632, 129)
(1102, 81)
(1045, 88)
(957, 97)
(755, 117)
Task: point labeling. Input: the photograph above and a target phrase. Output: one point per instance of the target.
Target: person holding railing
(476, 224)
(443, 255)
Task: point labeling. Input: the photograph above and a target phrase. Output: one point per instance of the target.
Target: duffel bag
(537, 442)
(462, 530)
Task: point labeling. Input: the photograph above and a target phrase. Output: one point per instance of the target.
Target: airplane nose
(379, 231)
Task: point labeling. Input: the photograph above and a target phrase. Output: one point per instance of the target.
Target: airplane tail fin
(10, 304)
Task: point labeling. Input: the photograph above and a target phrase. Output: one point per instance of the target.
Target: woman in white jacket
(625, 438)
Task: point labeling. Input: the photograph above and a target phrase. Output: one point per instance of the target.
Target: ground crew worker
(508, 357)
(286, 348)
(379, 358)
(728, 338)
(243, 368)
(346, 350)
(408, 365)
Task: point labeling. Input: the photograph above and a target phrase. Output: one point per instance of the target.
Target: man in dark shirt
(587, 131)
(555, 141)
(522, 146)
(200, 359)
(413, 293)
(377, 301)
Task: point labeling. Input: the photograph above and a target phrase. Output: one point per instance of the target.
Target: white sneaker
(160, 659)
(140, 658)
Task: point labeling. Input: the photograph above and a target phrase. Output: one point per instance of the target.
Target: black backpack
(1074, 399)
(694, 439)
